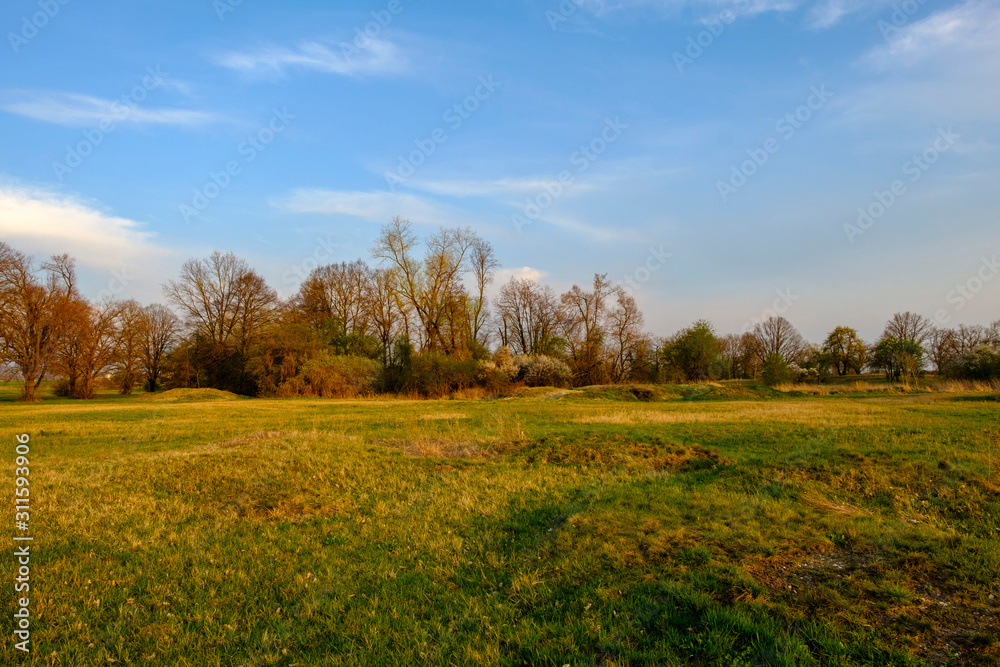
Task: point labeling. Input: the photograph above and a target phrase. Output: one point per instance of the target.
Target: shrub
(332, 376)
(543, 371)
(435, 374)
(776, 370)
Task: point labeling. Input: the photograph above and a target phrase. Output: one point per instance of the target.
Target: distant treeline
(416, 321)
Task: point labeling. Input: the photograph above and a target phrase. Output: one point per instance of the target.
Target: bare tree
(222, 299)
(129, 344)
(160, 332)
(527, 316)
(776, 335)
(627, 342)
(338, 292)
(29, 315)
(429, 286)
(484, 268)
(86, 348)
(908, 326)
(387, 315)
(583, 320)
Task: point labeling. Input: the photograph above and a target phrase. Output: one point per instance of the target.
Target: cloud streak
(77, 110)
(379, 57)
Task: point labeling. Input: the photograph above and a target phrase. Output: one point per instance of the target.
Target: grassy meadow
(704, 525)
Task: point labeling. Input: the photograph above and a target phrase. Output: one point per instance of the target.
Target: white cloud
(829, 13)
(44, 223)
(379, 207)
(822, 14)
(76, 110)
(943, 67)
(486, 188)
(379, 56)
(503, 276)
(966, 34)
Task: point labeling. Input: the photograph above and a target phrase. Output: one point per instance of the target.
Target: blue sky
(726, 145)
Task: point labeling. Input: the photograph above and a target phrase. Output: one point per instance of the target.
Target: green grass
(729, 525)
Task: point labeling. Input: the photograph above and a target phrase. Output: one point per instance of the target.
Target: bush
(332, 376)
(435, 374)
(776, 371)
(543, 371)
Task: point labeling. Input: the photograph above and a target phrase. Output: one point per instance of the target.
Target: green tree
(693, 351)
(776, 370)
(899, 358)
(845, 351)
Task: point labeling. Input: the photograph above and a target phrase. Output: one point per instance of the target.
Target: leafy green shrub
(776, 370)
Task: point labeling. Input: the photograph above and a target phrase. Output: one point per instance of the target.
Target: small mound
(194, 396)
(628, 392)
(543, 393)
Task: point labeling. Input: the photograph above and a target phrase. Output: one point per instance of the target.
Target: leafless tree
(223, 300)
(429, 286)
(30, 314)
(626, 341)
(339, 292)
(160, 329)
(908, 326)
(129, 344)
(527, 316)
(776, 335)
(583, 320)
(385, 311)
(484, 268)
(86, 348)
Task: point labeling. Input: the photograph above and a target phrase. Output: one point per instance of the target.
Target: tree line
(416, 320)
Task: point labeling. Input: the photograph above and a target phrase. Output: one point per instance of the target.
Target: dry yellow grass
(814, 499)
(811, 413)
(444, 416)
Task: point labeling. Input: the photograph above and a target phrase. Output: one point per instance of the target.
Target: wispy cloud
(829, 13)
(378, 207)
(941, 67)
(967, 32)
(485, 188)
(821, 14)
(379, 56)
(77, 110)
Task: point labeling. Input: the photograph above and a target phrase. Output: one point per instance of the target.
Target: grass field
(726, 525)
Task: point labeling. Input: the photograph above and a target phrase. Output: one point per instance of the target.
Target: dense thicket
(416, 320)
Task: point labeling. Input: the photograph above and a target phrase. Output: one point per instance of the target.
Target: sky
(831, 161)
